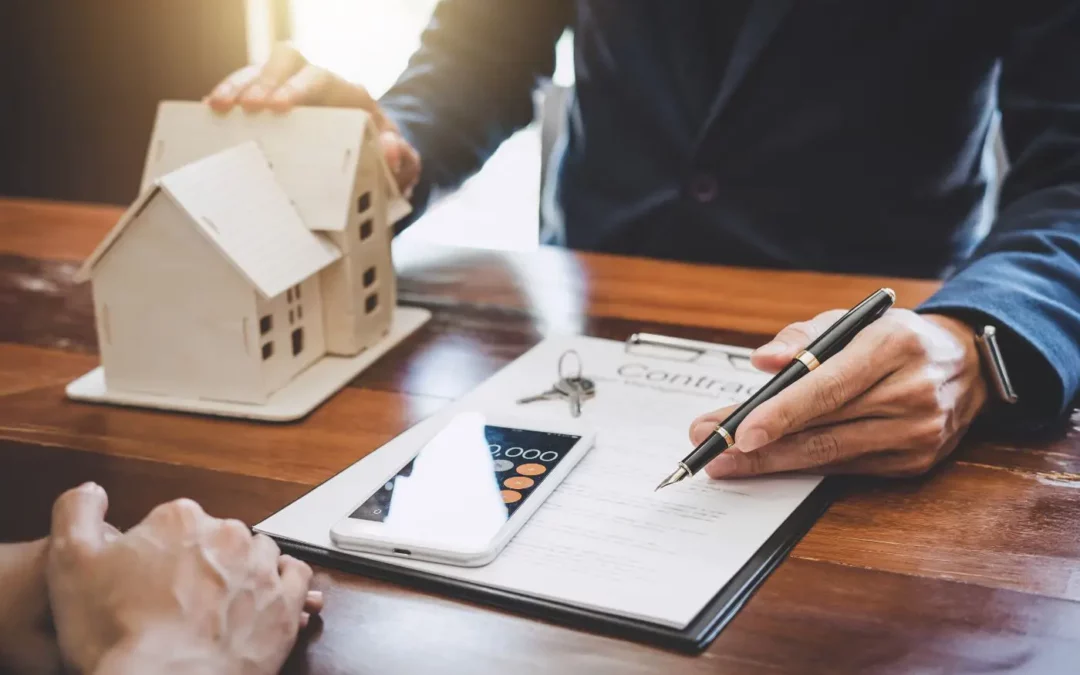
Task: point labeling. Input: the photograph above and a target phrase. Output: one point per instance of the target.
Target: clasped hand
(893, 402)
(179, 592)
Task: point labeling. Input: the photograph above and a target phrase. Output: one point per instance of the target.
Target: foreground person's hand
(894, 401)
(180, 592)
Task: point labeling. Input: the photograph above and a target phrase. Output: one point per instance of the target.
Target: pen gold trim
(727, 436)
(808, 360)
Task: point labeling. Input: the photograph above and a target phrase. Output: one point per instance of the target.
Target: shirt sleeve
(1025, 276)
(469, 86)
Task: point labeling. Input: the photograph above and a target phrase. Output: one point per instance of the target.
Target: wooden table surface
(973, 568)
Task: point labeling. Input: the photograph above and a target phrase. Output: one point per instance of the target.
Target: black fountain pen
(831, 341)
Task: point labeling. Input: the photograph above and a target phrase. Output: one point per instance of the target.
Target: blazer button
(704, 187)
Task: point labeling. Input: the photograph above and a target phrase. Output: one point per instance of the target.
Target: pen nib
(677, 476)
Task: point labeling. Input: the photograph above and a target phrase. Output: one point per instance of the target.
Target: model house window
(371, 303)
(268, 350)
(365, 229)
(288, 295)
(299, 312)
(297, 341)
(297, 292)
(291, 320)
(363, 203)
(369, 276)
(266, 324)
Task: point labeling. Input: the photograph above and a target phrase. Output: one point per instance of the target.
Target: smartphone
(467, 492)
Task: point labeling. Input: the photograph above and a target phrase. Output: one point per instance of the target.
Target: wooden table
(973, 568)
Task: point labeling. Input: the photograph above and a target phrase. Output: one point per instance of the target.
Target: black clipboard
(698, 634)
(693, 639)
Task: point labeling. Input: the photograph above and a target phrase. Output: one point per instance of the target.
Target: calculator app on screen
(520, 461)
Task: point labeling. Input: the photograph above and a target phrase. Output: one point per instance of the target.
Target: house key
(576, 390)
(559, 391)
(549, 395)
(574, 387)
(570, 386)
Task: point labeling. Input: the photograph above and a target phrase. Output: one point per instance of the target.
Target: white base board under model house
(293, 401)
(252, 277)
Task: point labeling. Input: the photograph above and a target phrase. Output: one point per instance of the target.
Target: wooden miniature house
(258, 245)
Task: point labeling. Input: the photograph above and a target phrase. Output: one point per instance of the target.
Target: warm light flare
(366, 41)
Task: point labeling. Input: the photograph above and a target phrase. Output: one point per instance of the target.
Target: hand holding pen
(894, 400)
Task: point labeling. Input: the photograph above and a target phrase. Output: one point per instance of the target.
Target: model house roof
(314, 153)
(234, 199)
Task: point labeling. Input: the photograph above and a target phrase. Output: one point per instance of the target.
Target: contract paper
(604, 540)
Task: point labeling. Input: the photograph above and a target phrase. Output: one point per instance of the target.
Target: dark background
(81, 80)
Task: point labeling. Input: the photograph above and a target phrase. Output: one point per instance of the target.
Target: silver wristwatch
(986, 339)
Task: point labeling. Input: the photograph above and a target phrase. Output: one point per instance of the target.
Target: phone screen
(466, 482)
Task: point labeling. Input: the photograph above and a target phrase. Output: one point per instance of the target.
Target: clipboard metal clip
(689, 351)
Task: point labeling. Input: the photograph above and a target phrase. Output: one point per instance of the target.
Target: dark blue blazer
(838, 135)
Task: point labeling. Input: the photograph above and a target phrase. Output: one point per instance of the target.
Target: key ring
(562, 358)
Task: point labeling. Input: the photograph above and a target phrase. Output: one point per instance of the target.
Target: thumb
(78, 518)
(402, 158)
(778, 352)
(392, 150)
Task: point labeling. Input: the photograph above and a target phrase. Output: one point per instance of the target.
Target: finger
(402, 159)
(295, 578)
(900, 394)
(887, 463)
(343, 94)
(704, 424)
(283, 63)
(854, 369)
(111, 533)
(409, 174)
(305, 619)
(264, 554)
(232, 541)
(393, 151)
(183, 515)
(910, 392)
(78, 518)
(779, 351)
(314, 602)
(812, 449)
(224, 95)
(922, 448)
(307, 87)
(313, 85)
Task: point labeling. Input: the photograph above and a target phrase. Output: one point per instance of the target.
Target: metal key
(554, 394)
(549, 395)
(570, 386)
(576, 390)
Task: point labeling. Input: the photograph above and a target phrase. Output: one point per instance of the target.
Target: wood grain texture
(972, 568)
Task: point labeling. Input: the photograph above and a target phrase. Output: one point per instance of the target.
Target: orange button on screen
(531, 469)
(509, 496)
(519, 482)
